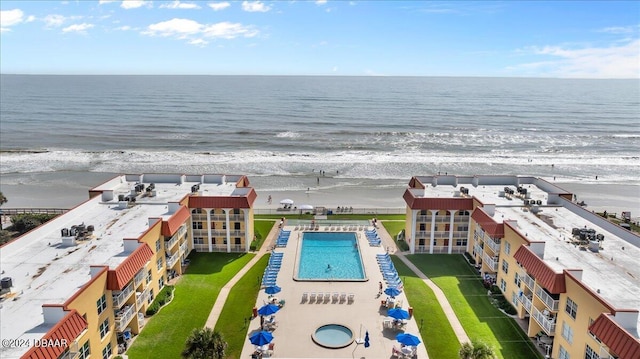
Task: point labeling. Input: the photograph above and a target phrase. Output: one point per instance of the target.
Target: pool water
(333, 336)
(330, 256)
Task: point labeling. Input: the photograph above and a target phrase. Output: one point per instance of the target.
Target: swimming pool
(328, 256)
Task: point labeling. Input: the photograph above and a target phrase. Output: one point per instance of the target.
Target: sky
(570, 39)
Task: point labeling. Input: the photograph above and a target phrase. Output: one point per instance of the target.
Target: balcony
(201, 247)
(491, 262)
(478, 249)
(183, 248)
(526, 302)
(139, 278)
(547, 299)
(528, 280)
(172, 259)
(219, 233)
(548, 324)
(171, 242)
(236, 217)
(218, 217)
(423, 218)
(123, 317)
(141, 298)
(121, 296)
(495, 246)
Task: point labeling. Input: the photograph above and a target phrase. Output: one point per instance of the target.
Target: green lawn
(261, 229)
(165, 333)
(394, 227)
(236, 313)
(439, 338)
(468, 297)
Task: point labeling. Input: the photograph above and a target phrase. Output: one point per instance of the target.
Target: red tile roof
(65, 331)
(620, 342)
(117, 279)
(223, 201)
(170, 227)
(437, 203)
(538, 269)
(493, 228)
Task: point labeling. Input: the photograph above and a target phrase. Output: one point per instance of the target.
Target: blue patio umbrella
(366, 339)
(272, 289)
(261, 338)
(398, 313)
(268, 309)
(408, 339)
(392, 291)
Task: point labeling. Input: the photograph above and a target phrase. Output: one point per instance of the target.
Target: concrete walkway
(224, 291)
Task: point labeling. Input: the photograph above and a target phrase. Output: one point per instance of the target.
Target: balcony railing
(120, 297)
(219, 232)
(139, 278)
(201, 247)
(170, 243)
(548, 301)
(528, 281)
(183, 248)
(547, 324)
(123, 317)
(236, 217)
(141, 298)
(172, 259)
(491, 262)
(478, 249)
(526, 302)
(495, 246)
(423, 218)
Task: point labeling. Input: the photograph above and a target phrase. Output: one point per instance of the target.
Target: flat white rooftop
(45, 271)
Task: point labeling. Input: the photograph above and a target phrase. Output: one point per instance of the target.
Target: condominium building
(80, 284)
(571, 274)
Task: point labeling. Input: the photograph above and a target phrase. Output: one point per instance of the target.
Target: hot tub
(333, 336)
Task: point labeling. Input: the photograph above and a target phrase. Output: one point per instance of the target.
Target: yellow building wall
(85, 302)
(512, 240)
(589, 308)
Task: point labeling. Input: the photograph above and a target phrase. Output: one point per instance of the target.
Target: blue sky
(572, 39)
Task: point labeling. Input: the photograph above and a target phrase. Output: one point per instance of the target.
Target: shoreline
(68, 189)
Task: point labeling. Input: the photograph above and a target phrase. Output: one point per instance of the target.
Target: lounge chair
(305, 297)
(351, 297)
(343, 297)
(327, 297)
(335, 297)
(312, 297)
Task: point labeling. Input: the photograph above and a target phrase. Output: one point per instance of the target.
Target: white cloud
(194, 32)
(620, 29)
(217, 6)
(10, 18)
(31, 18)
(123, 28)
(255, 6)
(54, 20)
(106, 1)
(615, 61)
(198, 42)
(179, 5)
(79, 28)
(134, 4)
(321, 2)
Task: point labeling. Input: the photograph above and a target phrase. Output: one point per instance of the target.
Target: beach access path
(292, 348)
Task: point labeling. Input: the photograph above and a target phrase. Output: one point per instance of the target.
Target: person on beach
(379, 288)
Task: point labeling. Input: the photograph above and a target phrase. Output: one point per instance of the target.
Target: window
(421, 241)
(159, 263)
(224, 225)
(236, 226)
(102, 304)
(148, 276)
(590, 353)
(567, 332)
(422, 227)
(464, 228)
(461, 242)
(517, 280)
(84, 351)
(238, 241)
(104, 328)
(507, 247)
(505, 266)
(157, 246)
(571, 308)
(161, 282)
(106, 352)
(503, 285)
(196, 225)
(150, 300)
(514, 299)
(198, 240)
(562, 353)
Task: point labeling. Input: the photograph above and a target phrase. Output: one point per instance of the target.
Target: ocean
(282, 131)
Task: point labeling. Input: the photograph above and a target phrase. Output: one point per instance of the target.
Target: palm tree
(3, 199)
(204, 343)
(476, 350)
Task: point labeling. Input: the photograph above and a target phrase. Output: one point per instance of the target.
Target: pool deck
(297, 320)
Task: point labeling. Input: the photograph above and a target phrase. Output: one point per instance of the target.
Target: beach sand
(68, 189)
